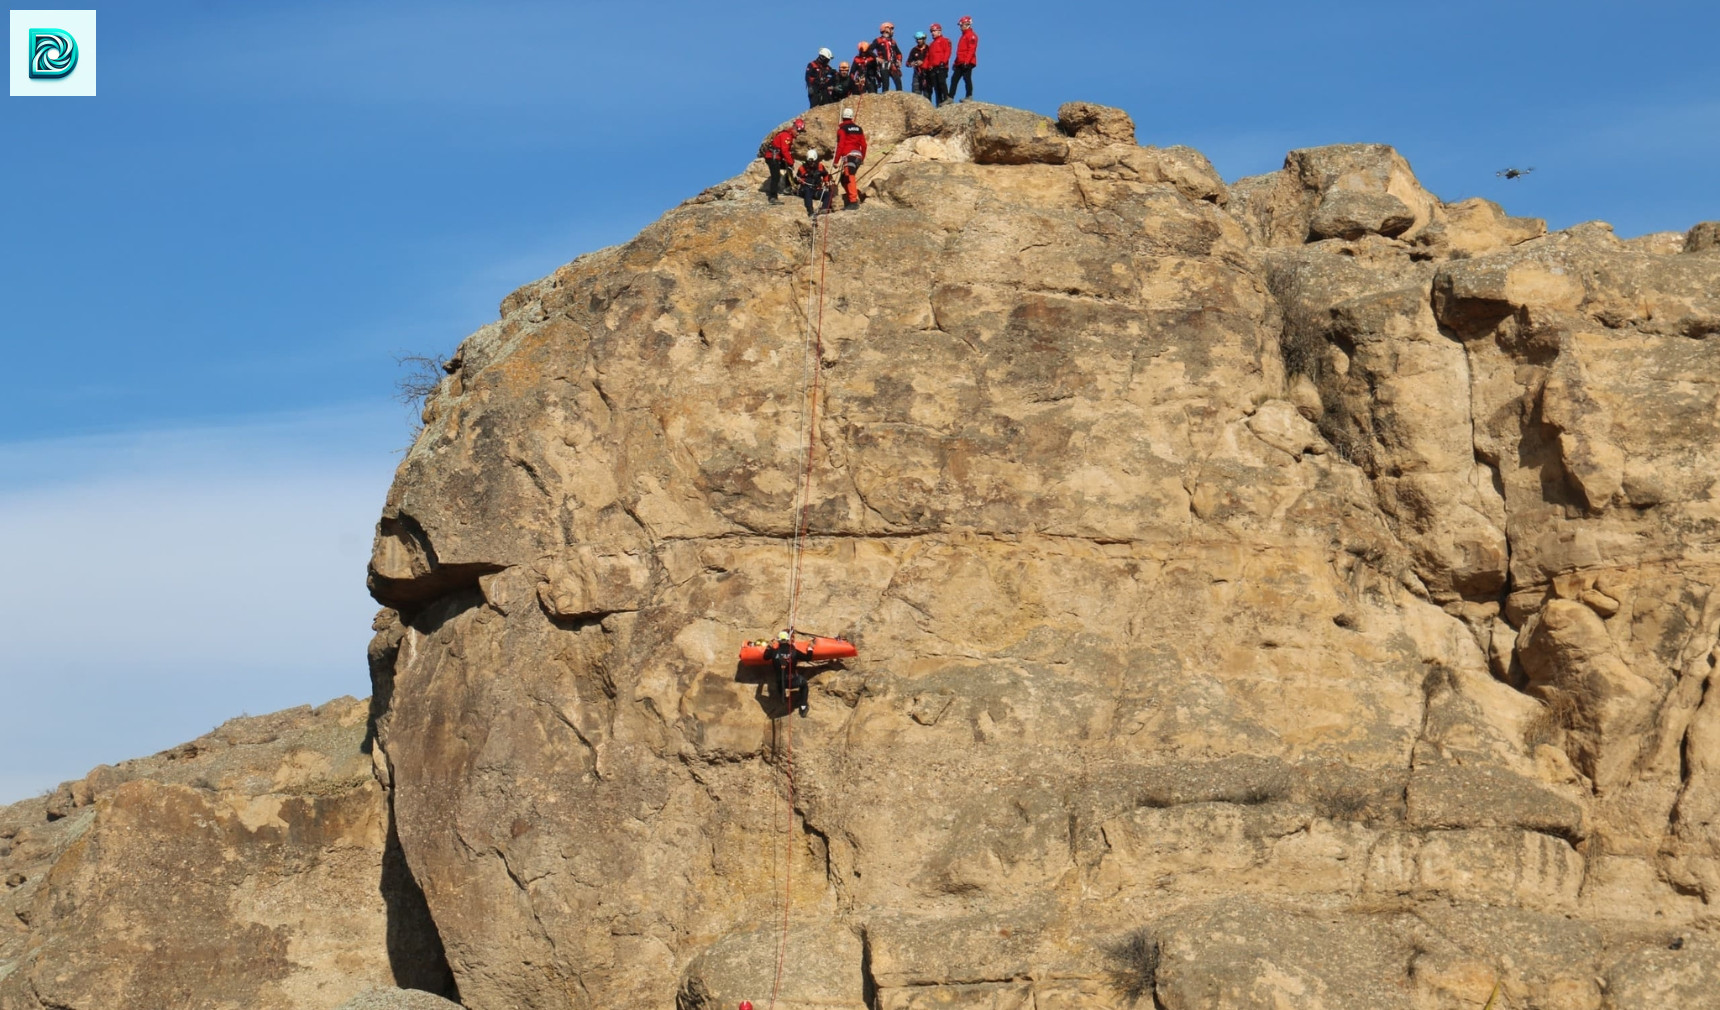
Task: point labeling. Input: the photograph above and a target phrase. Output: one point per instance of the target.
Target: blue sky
(211, 266)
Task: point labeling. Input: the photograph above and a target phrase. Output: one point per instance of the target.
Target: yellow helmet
(782, 636)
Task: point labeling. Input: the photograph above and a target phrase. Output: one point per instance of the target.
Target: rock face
(243, 869)
(1297, 593)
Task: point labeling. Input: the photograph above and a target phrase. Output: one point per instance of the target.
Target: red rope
(786, 726)
(787, 751)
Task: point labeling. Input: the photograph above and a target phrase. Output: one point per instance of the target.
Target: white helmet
(824, 53)
(812, 155)
(847, 113)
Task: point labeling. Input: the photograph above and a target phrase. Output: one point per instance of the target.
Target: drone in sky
(1514, 173)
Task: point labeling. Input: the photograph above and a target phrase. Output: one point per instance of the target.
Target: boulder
(1087, 121)
(249, 867)
(1001, 136)
(1346, 190)
(1476, 226)
(1704, 237)
(1350, 214)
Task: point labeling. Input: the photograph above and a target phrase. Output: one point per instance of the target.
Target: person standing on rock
(819, 78)
(790, 682)
(850, 152)
(937, 65)
(814, 180)
(859, 79)
(865, 69)
(779, 156)
(916, 62)
(967, 57)
(889, 56)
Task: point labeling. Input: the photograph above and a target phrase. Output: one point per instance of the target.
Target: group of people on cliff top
(877, 65)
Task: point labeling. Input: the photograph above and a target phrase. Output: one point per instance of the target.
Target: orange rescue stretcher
(812, 649)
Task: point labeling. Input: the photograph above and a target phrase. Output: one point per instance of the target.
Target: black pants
(810, 193)
(895, 77)
(791, 684)
(815, 97)
(940, 86)
(778, 172)
(962, 73)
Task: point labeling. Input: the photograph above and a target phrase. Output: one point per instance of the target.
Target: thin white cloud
(161, 582)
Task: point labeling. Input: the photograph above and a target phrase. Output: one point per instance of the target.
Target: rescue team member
(814, 180)
(889, 56)
(967, 55)
(850, 152)
(819, 79)
(779, 156)
(845, 87)
(937, 63)
(785, 656)
(865, 68)
(916, 58)
(860, 79)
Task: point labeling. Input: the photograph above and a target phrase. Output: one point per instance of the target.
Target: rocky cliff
(248, 868)
(1296, 593)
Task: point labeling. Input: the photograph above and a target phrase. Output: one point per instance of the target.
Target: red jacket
(783, 144)
(938, 56)
(967, 50)
(850, 137)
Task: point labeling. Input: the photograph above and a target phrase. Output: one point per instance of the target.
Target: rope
(786, 752)
(783, 729)
(814, 366)
(794, 543)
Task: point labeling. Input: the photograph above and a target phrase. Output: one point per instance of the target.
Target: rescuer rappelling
(786, 653)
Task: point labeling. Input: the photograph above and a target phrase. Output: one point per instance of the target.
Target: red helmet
(965, 20)
(746, 1004)
(799, 125)
(937, 27)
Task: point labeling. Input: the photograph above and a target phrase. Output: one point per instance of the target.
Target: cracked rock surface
(1283, 594)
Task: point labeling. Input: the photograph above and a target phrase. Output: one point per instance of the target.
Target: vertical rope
(786, 754)
(783, 729)
(815, 362)
(814, 290)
